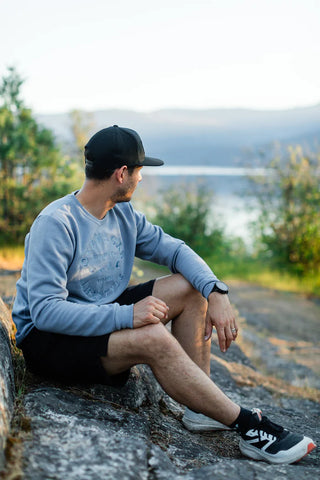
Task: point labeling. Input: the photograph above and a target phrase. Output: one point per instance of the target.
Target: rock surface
(281, 332)
(6, 379)
(136, 433)
(97, 432)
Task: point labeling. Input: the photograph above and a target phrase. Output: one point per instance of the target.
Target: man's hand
(149, 310)
(221, 315)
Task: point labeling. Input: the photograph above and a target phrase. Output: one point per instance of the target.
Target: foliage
(289, 224)
(186, 213)
(32, 170)
(257, 271)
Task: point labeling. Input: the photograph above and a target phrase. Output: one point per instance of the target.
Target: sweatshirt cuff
(208, 288)
(125, 317)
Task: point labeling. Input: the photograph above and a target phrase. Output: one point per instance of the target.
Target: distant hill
(205, 137)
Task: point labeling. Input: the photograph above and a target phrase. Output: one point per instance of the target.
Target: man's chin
(123, 199)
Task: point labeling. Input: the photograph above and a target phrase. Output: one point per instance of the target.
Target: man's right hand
(149, 310)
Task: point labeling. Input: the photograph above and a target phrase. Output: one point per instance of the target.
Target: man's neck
(94, 197)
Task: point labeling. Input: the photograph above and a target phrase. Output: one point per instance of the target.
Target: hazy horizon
(186, 109)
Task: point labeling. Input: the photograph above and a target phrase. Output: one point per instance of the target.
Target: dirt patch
(280, 333)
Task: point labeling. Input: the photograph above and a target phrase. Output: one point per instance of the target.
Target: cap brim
(152, 162)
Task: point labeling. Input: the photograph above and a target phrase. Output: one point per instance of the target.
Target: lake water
(230, 186)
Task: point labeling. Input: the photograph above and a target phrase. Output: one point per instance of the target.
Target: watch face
(222, 287)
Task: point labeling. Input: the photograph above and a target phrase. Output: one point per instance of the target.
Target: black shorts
(76, 359)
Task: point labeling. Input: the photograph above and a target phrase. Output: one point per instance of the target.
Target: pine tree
(33, 172)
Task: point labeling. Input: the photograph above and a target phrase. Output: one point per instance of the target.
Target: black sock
(243, 419)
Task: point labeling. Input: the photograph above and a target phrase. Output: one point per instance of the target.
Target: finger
(160, 303)
(161, 314)
(234, 328)
(150, 319)
(145, 321)
(229, 336)
(234, 332)
(160, 308)
(222, 339)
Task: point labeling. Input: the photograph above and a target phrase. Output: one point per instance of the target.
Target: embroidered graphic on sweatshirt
(102, 265)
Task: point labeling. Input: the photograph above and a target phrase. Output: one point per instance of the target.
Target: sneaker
(197, 422)
(265, 440)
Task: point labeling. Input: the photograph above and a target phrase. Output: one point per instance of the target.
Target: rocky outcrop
(6, 378)
(136, 432)
(89, 433)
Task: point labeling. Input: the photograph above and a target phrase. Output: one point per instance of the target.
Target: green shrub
(185, 212)
(288, 228)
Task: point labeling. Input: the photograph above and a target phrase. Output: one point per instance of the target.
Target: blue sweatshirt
(76, 264)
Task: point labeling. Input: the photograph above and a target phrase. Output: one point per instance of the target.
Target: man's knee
(190, 295)
(154, 341)
(154, 336)
(183, 286)
(177, 290)
(142, 345)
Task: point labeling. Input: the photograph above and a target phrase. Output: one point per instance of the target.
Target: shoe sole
(198, 427)
(293, 455)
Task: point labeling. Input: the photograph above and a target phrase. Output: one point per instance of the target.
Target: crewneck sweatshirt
(76, 265)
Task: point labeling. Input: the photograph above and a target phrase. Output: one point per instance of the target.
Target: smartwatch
(220, 287)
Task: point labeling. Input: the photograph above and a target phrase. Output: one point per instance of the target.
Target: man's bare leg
(187, 309)
(179, 376)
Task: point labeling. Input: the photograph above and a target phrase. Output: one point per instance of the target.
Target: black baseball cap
(114, 147)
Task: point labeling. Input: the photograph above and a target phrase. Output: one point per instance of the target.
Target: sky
(146, 55)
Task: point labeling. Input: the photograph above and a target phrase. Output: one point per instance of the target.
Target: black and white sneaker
(265, 440)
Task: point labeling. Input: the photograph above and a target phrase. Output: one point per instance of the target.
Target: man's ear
(120, 173)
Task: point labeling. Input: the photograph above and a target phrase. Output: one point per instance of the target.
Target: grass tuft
(11, 257)
(259, 273)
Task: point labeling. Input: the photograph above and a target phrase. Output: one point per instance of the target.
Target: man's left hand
(221, 316)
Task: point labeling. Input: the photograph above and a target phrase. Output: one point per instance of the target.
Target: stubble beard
(122, 196)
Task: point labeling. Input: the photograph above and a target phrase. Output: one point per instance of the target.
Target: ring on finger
(233, 330)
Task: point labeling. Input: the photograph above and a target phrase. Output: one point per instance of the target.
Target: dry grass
(246, 376)
(11, 258)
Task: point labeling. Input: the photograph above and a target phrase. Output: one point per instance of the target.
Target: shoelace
(270, 427)
(265, 424)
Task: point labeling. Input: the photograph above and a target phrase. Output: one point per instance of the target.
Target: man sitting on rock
(78, 320)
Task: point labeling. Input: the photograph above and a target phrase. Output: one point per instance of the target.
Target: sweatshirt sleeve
(50, 252)
(155, 245)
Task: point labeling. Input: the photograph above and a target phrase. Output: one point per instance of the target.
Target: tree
(32, 170)
(185, 213)
(289, 223)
